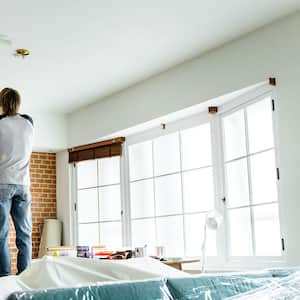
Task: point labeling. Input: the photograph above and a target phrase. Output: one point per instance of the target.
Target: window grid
(182, 214)
(248, 156)
(220, 181)
(98, 188)
(171, 173)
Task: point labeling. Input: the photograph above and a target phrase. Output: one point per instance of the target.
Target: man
(16, 138)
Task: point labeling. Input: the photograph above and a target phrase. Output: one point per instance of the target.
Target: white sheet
(51, 272)
(8, 285)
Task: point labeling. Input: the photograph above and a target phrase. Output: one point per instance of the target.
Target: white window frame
(173, 127)
(223, 260)
(74, 202)
(226, 109)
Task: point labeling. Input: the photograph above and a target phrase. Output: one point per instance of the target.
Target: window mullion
(182, 196)
(249, 183)
(98, 199)
(125, 197)
(219, 184)
(154, 197)
(73, 204)
(276, 144)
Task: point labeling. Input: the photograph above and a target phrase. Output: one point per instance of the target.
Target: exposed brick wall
(43, 191)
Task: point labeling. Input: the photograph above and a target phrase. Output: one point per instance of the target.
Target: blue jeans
(15, 200)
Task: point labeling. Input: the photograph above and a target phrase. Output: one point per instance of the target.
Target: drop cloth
(55, 272)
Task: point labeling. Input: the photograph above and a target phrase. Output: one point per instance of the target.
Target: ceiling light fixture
(22, 52)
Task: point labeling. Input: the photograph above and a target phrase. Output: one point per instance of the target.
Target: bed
(142, 278)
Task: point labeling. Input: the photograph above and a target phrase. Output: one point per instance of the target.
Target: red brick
(43, 190)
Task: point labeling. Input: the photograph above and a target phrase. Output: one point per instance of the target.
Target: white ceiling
(86, 49)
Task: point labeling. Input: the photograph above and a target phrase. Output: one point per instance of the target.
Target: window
(99, 202)
(251, 180)
(171, 188)
(171, 178)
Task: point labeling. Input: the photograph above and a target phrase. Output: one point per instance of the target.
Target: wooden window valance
(103, 149)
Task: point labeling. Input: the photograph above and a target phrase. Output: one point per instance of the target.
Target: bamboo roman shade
(103, 149)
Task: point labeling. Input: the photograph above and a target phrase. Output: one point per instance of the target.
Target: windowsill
(216, 265)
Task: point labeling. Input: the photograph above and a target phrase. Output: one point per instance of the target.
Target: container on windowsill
(62, 251)
(83, 251)
(96, 250)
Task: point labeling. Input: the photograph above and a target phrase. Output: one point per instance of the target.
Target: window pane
(143, 233)
(109, 170)
(111, 234)
(263, 176)
(194, 230)
(260, 126)
(196, 147)
(267, 231)
(198, 190)
(88, 234)
(166, 154)
(110, 203)
(142, 199)
(240, 232)
(140, 161)
(87, 205)
(87, 174)
(170, 235)
(237, 183)
(234, 132)
(168, 194)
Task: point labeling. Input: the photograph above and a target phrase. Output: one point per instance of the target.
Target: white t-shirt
(16, 139)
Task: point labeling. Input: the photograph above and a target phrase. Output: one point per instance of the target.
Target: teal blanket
(200, 287)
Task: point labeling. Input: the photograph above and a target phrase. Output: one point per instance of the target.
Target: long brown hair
(10, 101)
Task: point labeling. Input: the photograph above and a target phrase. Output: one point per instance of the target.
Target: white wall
(50, 131)
(271, 51)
